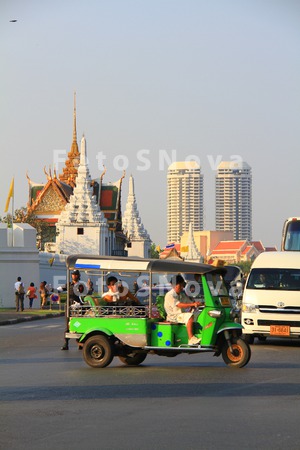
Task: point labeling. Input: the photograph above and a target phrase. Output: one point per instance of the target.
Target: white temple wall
(53, 269)
(70, 242)
(18, 260)
(140, 249)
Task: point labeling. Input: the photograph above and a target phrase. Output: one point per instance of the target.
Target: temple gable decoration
(48, 199)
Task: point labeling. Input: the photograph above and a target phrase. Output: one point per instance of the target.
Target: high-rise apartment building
(234, 199)
(185, 198)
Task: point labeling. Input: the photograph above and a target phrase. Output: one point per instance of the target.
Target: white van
(271, 299)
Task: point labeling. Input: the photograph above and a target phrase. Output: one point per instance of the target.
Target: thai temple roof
(47, 200)
(132, 224)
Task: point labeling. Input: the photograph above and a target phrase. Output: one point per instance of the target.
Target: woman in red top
(31, 294)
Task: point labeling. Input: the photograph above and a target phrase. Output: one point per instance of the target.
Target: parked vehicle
(291, 234)
(271, 300)
(131, 332)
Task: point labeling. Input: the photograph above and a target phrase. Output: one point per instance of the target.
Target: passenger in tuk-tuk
(175, 301)
(118, 294)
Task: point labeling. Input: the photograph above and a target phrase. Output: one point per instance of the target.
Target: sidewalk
(10, 317)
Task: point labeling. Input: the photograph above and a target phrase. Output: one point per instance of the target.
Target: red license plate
(279, 330)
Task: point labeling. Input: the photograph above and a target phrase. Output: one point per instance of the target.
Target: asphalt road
(51, 399)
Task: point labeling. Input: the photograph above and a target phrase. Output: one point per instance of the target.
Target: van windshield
(277, 279)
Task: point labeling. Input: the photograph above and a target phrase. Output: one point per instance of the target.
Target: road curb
(30, 318)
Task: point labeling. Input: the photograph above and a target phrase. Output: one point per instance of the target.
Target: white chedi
(82, 227)
(193, 253)
(132, 223)
(82, 207)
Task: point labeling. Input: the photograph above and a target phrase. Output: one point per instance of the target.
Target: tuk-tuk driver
(74, 298)
(175, 301)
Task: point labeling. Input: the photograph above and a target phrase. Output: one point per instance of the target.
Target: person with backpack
(19, 294)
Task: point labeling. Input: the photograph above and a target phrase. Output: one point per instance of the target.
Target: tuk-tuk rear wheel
(241, 353)
(133, 359)
(98, 351)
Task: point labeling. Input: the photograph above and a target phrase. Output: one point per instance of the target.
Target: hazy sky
(156, 81)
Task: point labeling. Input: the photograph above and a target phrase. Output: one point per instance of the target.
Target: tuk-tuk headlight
(249, 308)
(215, 313)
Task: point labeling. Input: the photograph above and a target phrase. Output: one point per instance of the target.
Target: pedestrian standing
(19, 294)
(31, 294)
(44, 294)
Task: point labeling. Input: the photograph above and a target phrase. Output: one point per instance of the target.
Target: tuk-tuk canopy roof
(90, 262)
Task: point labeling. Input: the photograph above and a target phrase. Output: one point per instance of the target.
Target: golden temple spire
(72, 162)
(74, 120)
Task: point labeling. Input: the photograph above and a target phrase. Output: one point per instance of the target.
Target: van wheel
(241, 353)
(98, 351)
(133, 359)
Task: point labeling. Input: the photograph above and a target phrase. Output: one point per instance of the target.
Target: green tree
(245, 266)
(154, 253)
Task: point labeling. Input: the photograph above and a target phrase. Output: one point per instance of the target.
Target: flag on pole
(169, 246)
(10, 195)
(51, 261)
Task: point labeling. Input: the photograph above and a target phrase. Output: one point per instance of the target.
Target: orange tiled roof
(246, 250)
(229, 245)
(258, 245)
(170, 252)
(223, 252)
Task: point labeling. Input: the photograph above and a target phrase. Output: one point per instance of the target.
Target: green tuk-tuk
(132, 329)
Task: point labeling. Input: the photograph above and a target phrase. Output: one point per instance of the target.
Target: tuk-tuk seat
(93, 302)
(160, 300)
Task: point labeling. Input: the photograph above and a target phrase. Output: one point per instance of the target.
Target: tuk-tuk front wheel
(240, 354)
(98, 351)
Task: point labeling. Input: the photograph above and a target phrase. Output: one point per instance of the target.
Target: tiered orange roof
(258, 245)
(48, 199)
(228, 247)
(171, 251)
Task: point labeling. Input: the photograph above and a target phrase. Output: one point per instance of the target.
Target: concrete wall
(24, 260)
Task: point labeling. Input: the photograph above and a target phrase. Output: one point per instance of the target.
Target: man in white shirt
(175, 301)
(19, 294)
